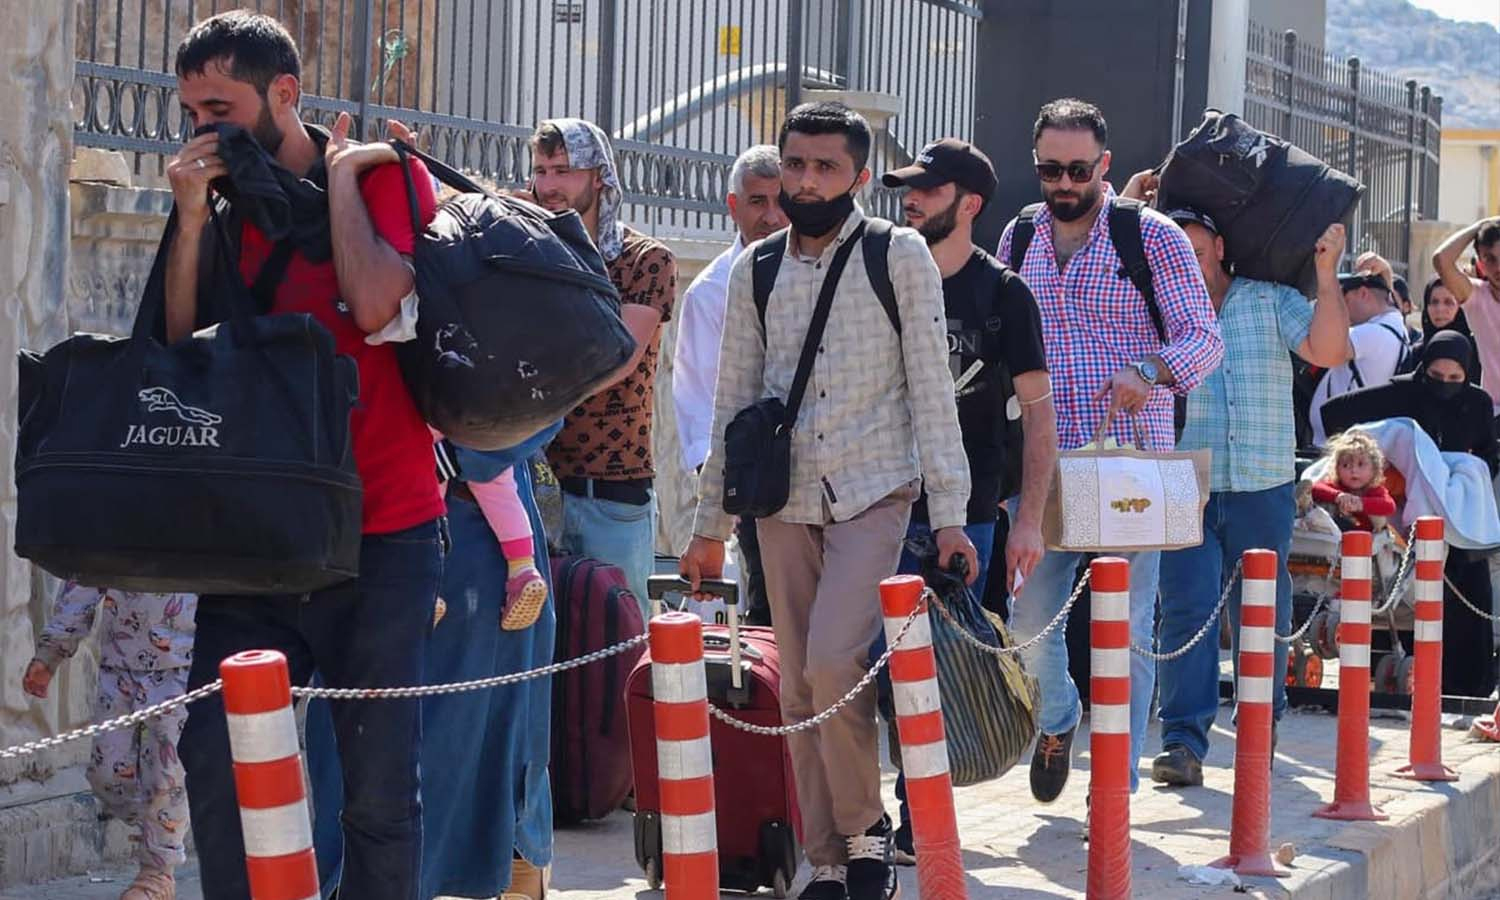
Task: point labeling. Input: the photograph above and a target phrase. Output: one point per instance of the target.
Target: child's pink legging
(501, 505)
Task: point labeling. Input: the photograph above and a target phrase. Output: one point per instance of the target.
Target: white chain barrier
(1323, 599)
(395, 693)
(478, 684)
(1488, 617)
(1403, 572)
(1057, 620)
(1213, 618)
(129, 720)
(825, 715)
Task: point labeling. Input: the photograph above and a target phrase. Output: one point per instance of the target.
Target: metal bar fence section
(1381, 129)
(682, 86)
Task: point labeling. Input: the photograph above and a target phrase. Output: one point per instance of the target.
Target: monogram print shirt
(608, 435)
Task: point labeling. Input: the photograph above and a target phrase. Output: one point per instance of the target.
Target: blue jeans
(620, 534)
(1042, 595)
(1191, 581)
(370, 631)
(982, 535)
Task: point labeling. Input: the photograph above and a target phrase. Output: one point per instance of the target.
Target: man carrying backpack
(344, 262)
(1242, 413)
(999, 372)
(870, 379)
(603, 455)
(1127, 323)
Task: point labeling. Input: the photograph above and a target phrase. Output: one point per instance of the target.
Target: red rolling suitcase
(758, 820)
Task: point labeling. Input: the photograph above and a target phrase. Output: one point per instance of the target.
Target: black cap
(1186, 216)
(944, 161)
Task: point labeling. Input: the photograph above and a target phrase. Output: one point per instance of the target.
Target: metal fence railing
(1378, 128)
(681, 85)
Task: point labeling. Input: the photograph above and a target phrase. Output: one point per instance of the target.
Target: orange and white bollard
(1426, 756)
(1109, 730)
(924, 743)
(1351, 781)
(1249, 832)
(684, 759)
(268, 777)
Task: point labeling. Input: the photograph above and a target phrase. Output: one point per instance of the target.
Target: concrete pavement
(1439, 843)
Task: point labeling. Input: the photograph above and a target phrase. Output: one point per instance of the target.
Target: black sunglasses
(1077, 172)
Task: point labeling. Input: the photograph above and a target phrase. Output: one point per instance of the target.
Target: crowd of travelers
(938, 396)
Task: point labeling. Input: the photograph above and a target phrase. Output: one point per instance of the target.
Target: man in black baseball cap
(999, 374)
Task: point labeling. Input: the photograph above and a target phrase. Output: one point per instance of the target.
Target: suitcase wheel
(779, 857)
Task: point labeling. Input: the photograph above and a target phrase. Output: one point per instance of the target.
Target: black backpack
(518, 321)
(876, 243)
(1124, 233)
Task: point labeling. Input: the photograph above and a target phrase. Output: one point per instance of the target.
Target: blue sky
(1464, 10)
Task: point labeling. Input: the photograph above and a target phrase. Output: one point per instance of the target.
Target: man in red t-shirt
(242, 69)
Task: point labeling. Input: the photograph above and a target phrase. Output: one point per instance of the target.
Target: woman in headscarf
(1457, 416)
(1441, 312)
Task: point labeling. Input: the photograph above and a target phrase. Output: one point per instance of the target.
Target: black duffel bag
(517, 320)
(1270, 199)
(219, 464)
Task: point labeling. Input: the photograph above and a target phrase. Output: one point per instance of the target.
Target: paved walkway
(1018, 850)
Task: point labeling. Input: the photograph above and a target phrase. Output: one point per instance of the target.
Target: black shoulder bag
(758, 441)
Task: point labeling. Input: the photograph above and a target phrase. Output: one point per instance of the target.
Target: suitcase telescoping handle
(659, 586)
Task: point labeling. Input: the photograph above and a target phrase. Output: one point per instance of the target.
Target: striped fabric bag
(990, 704)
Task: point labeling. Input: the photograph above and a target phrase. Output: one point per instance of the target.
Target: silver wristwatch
(1148, 371)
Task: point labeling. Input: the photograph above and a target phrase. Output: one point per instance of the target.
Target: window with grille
(567, 12)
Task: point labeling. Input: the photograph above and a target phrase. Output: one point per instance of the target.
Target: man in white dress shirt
(753, 205)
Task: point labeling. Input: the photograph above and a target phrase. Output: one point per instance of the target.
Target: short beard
(265, 131)
(937, 228)
(586, 200)
(1073, 210)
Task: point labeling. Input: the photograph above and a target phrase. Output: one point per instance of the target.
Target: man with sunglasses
(1377, 341)
(1110, 351)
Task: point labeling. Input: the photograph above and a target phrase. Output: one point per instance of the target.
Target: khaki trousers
(823, 586)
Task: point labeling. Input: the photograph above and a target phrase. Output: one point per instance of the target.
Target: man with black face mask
(878, 420)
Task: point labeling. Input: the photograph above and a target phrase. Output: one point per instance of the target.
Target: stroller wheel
(1384, 680)
(1405, 674)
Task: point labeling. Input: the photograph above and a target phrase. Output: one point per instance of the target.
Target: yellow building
(1469, 183)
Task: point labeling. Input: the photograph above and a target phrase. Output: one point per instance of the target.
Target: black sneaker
(1178, 767)
(1051, 762)
(904, 851)
(827, 884)
(871, 875)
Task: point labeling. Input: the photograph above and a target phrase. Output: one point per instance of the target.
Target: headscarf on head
(1460, 321)
(1447, 345)
(589, 148)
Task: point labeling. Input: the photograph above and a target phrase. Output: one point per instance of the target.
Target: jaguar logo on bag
(1122, 499)
(198, 432)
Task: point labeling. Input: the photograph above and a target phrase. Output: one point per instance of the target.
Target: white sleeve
(696, 364)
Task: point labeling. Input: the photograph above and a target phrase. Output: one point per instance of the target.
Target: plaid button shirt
(879, 409)
(1095, 323)
(1243, 410)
